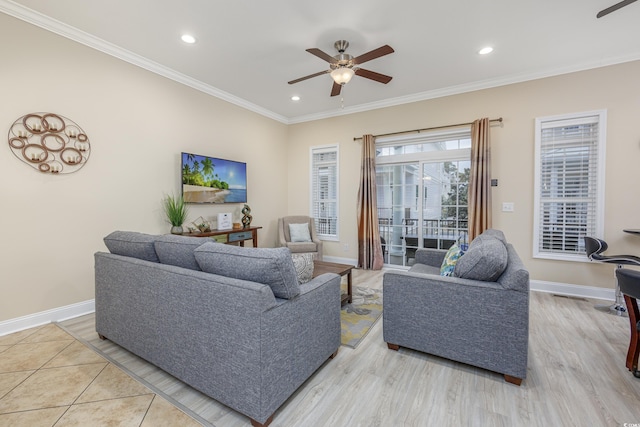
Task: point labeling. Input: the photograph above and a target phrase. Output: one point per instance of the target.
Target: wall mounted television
(213, 180)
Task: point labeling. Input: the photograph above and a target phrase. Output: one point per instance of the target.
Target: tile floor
(48, 378)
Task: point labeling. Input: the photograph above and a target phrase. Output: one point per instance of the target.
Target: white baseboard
(573, 290)
(44, 317)
(340, 260)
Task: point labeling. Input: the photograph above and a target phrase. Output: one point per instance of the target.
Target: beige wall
(138, 124)
(614, 88)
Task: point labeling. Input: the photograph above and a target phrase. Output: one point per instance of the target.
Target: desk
(230, 236)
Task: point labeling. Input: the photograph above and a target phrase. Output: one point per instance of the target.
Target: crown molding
(46, 22)
(465, 88)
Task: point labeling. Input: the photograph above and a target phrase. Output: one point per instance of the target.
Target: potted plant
(176, 210)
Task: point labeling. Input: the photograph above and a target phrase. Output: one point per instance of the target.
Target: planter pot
(176, 229)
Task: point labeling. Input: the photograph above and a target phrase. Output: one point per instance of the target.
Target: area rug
(358, 317)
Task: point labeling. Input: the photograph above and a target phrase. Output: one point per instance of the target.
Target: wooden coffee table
(321, 267)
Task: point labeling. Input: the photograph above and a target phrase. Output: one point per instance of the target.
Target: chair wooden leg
(254, 423)
(634, 342)
(512, 380)
(395, 347)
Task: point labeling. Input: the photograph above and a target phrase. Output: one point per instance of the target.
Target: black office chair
(595, 248)
(629, 281)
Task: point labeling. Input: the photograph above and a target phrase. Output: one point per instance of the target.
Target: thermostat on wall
(224, 221)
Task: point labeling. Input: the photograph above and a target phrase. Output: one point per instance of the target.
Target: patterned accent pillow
(304, 266)
(450, 259)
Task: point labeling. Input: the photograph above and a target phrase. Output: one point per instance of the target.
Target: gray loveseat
(243, 331)
(480, 318)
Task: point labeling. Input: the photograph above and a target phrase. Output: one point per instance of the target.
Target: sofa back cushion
(498, 234)
(485, 260)
(270, 266)
(178, 250)
(132, 244)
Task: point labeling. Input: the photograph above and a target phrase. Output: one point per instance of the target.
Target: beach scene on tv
(212, 180)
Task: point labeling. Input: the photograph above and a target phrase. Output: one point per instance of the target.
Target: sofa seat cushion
(298, 247)
(485, 260)
(270, 266)
(178, 250)
(424, 269)
(132, 244)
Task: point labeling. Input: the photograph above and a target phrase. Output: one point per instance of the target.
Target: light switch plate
(507, 207)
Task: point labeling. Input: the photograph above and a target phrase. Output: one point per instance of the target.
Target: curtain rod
(499, 120)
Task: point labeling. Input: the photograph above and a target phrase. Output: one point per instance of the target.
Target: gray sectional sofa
(231, 322)
(480, 316)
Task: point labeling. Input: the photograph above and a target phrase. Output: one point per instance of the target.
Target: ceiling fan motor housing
(344, 59)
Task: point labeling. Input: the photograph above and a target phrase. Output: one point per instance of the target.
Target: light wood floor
(576, 377)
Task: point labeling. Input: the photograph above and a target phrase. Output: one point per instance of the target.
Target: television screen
(212, 180)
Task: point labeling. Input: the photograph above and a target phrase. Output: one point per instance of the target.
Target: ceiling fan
(343, 66)
(613, 8)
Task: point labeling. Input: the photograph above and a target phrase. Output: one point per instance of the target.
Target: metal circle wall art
(49, 143)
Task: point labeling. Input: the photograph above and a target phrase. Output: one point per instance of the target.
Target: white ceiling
(247, 51)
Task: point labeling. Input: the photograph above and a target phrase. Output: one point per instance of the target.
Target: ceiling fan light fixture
(342, 75)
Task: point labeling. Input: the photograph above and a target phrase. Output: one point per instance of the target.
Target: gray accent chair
(231, 322)
(284, 236)
(483, 323)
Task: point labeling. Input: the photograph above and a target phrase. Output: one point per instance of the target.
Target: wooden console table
(230, 236)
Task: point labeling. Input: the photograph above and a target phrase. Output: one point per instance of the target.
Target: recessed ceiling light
(188, 38)
(295, 98)
(485, 50)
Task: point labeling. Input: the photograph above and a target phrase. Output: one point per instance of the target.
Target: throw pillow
(485, 260)
(450, 259)
(178, 250)
(270, 266)
(304, 266)
(299, 232)
(132, 244)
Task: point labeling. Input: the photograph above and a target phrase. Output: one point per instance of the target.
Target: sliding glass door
(422, 197)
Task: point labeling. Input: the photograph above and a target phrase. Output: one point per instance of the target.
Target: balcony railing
(400, 241)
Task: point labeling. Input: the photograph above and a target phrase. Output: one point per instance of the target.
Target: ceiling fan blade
(613, 8)
(335, 90)
(373, 75)
(309, 76)
(320, 54)
(376, 53)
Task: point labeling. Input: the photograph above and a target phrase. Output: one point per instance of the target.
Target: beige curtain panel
(369, 247)
(480, 179)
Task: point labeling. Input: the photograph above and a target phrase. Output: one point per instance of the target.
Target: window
(569, 184)
(324, 191)
(422, 182)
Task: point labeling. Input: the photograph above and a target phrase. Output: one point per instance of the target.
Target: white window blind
(569, 183)
(324, 190)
